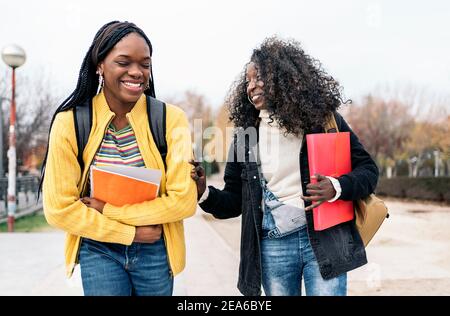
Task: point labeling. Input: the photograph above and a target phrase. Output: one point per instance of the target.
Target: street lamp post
(14, 56)
(2, 172)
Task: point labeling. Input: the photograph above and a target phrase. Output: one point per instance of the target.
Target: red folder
(329, 155)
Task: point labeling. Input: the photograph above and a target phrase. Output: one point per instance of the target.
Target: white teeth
(134, 85)
(255, 97)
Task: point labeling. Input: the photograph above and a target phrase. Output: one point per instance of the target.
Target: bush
(30, 223)
(210, 167)
(432, 189)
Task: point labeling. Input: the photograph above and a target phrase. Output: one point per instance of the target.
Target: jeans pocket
(288, 218)
(95, 246)
(268, 223)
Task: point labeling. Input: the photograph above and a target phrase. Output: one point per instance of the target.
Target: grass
(31, 223)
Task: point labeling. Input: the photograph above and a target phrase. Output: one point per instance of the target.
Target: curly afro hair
(298, 93)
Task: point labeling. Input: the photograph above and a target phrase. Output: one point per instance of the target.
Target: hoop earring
(250, 100)
(101, 82)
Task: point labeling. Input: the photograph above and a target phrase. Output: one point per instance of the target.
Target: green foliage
(31, 223)
(210, 167)
(430, 188)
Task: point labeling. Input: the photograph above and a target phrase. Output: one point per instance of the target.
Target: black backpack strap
(157, 119)
(82, 114)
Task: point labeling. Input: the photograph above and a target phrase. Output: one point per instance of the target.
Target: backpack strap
(82, 114)
(157, 120)
(331, 125)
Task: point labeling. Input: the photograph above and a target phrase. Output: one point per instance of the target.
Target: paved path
(32, 264)
(409, 256)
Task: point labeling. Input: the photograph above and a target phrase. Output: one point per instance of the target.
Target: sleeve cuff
(204, 196)
(337, 188)
(131, 233)
(111, 211)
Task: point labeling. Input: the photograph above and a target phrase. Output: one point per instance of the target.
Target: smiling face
(126, 70)
(255, 86)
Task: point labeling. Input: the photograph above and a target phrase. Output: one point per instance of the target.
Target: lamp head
(13, 55)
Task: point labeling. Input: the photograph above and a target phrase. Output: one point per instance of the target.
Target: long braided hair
(88, 79)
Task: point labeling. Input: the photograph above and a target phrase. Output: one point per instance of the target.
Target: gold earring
(100, 81)
(250, 100)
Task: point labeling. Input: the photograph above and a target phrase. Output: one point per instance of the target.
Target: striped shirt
(119, 147)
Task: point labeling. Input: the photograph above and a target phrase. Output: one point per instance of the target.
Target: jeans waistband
(273, 233)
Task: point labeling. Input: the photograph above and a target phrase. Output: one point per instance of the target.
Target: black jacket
(338, 249)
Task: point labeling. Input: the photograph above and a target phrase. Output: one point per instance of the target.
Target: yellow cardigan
(64, 181)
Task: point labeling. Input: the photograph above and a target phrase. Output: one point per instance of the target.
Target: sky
(203, 45)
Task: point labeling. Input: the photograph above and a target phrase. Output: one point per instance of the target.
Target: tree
(198, 112)
(35, 103)
(226, 127)
(429, 141)
(444, 142)
(417, 146)
(383, 127)
(422, 103)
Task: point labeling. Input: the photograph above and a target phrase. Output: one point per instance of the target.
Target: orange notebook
(329, 155)
(119, 185)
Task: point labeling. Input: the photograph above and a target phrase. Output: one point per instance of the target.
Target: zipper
(96, 151)
(167, 254)
(83, 188)
(130, 119)
(156, 157)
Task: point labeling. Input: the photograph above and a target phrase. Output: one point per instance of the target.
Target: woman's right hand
(148, 234)
(199, 176)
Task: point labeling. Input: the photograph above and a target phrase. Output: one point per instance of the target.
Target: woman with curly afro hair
(283, 95)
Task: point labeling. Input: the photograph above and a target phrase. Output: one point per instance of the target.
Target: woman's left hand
(94, 203)
(319, 192)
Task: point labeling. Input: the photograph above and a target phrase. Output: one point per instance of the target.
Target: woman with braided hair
(134, 249)
(282, 95)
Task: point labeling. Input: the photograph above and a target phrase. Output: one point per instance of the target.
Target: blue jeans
(269, 227)
(114, 269)
(287, 259)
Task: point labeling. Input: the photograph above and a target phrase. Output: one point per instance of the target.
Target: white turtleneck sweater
(280, 163)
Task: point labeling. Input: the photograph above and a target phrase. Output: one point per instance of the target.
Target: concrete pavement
(409, 256)
(32, 264)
